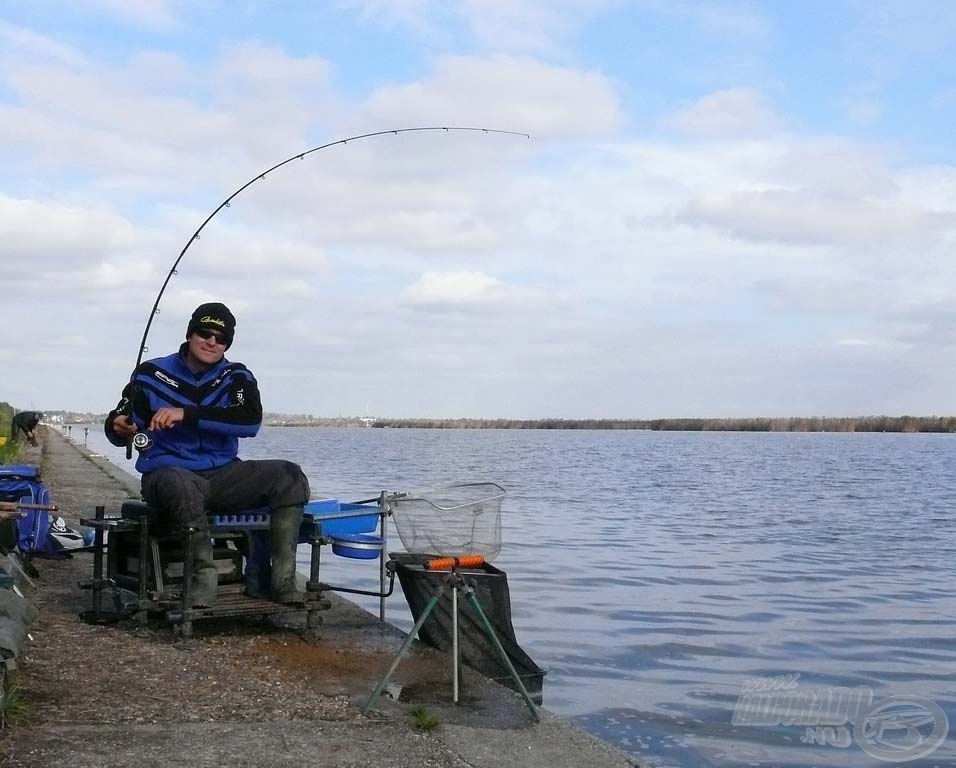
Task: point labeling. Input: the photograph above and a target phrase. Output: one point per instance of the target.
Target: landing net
(449, 521)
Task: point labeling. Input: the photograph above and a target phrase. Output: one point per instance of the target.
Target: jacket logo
(240, 397)
(213, 320)
(166, 379)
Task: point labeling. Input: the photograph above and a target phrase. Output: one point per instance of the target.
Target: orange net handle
(447, 563)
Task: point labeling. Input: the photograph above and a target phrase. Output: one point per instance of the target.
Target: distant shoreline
(909, 424)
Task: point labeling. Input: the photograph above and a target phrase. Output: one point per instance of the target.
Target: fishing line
(259, 177)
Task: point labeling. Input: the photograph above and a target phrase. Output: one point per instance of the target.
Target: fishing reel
(142, 441)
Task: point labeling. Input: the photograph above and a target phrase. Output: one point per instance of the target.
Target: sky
(724, 209)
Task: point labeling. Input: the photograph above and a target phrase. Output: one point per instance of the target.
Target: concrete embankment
(248, 693)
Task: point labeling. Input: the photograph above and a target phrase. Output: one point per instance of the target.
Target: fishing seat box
(123, 551)
(347, 527)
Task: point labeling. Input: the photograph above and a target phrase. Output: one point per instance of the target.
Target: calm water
(653, 574)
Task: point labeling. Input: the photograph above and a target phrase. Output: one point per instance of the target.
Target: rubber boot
(284, 526)
(258, 570)
(205, 577)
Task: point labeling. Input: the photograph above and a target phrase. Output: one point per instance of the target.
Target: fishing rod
(259, 177)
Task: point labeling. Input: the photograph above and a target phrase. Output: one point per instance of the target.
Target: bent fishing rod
(259, 177)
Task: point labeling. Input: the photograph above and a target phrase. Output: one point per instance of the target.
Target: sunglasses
(203, 333)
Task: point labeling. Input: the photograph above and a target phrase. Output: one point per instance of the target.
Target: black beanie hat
(214, 317)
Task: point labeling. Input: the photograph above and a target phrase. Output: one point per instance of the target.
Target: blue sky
(726, 208)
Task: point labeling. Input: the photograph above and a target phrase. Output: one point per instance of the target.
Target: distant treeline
(792, 424)
(788, 424)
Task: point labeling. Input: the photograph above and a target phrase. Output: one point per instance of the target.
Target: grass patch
(9, 449)
(15, 710)
(8, 452)
(423, 719)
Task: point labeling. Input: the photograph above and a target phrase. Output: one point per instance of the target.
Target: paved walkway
(248, 694)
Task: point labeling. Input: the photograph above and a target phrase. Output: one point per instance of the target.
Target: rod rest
(247, 520)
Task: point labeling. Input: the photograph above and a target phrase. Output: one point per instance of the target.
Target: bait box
(359, 546)
(337, 517)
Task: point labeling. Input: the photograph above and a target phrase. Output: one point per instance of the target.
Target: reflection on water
(652, 574)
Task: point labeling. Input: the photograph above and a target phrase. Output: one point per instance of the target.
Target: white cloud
(24, 41)
(503, 91)
(853, 342)
(27, 225)
(528, 25)
(416, 15)
(736, 112)
(146, 118)
(455, 288)
(266, 70)
(806, 216)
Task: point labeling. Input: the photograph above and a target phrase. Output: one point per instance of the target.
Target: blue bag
(21, 483)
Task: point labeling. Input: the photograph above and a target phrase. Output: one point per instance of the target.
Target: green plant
(423, 719)
(15, 708)
(8, 452)
(8, 446)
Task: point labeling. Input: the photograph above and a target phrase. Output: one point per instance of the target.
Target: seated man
(195, 405)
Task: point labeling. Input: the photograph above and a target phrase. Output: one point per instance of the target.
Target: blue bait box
(339, 517)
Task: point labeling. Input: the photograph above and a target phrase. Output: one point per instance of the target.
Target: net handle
(448, 563)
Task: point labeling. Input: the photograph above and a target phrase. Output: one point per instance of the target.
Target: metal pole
(142, 615)
(401, 651)
(316, 554)
(186, 594)
(454, 643)
(143, 556)
(489, 630)
(381, 559)
(98, 565)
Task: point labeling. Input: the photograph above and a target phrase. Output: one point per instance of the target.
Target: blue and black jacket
(221, 405)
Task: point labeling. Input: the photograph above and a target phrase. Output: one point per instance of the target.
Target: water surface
(653, 574)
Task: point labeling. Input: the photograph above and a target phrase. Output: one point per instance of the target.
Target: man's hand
(165, 418)
(124, 427)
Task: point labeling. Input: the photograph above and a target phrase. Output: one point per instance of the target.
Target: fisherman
(26, 422)
(194, 405)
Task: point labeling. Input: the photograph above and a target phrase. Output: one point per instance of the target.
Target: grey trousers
(183, 497)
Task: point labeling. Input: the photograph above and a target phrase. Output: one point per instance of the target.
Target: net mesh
(452, 520)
